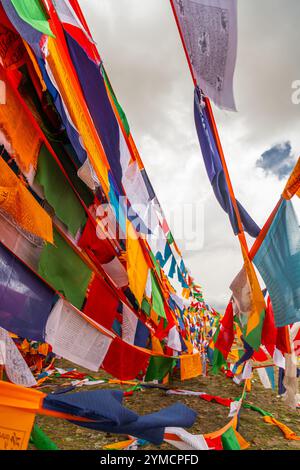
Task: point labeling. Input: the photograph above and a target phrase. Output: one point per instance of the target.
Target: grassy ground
(210, 416)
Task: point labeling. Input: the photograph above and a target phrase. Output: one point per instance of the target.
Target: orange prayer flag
(18, 406)
(190, 366)
(18, 129)
(293, 184)
(21, 206)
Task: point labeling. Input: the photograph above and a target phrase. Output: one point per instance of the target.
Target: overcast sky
(141, 49)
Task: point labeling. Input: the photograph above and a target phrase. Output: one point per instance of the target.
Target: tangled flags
(64, 217)
(98, 410)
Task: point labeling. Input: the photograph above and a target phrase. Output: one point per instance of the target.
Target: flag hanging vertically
(209, 32)
(278, 261)
(250, 302)
(215, 170)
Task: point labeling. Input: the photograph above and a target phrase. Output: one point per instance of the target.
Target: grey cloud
(278, 160)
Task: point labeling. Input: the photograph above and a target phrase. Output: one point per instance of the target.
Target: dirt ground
(211, 416)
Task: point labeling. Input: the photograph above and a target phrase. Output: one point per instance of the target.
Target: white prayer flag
(74, 338)
(209, 28)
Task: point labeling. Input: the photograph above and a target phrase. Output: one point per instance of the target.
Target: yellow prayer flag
(190, 366)
(18, 129)
(18, 202)
(137, 266)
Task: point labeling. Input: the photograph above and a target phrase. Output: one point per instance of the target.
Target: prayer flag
(64, 270)
(278, 261)
(209, 31)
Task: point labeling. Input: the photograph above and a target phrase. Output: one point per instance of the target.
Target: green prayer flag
(33, 13)
(41, 441)
(170, 238)
(229, 440)
(218, 361)
(159, 367)
(64, 270)
(157, 299)
(156, 264)
(117, 104)
(59, 193)
(256, 408)
(146, 307)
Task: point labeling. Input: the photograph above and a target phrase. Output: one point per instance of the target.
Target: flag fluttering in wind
(215, 170)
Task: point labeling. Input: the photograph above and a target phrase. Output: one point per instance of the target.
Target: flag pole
(242, 236)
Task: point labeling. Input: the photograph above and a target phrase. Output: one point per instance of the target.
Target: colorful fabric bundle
(105, 408)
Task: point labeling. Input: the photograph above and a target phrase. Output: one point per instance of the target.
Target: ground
(211, 417)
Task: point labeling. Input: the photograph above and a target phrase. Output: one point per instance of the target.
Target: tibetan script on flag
(209, 29)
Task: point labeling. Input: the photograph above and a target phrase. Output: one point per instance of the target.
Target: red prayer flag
(92, 244)
(124, 361)
(226, 334)
(102, 303)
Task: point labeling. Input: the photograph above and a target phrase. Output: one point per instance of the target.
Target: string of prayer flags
(64, 270)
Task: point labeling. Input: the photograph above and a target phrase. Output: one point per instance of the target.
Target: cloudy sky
(141, 49)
